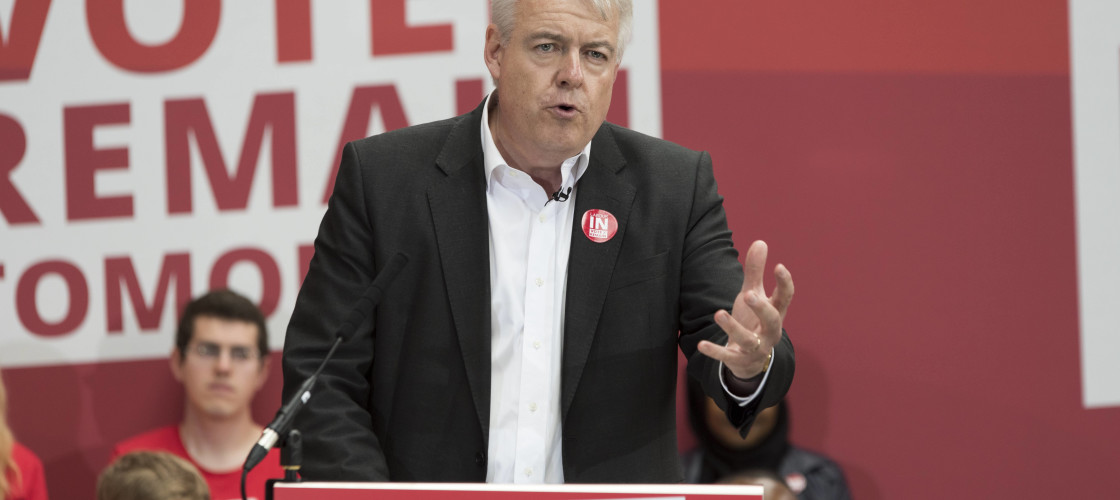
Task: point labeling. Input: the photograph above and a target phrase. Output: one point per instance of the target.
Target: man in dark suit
(555, 264)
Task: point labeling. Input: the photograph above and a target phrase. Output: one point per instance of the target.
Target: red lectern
(475, 491)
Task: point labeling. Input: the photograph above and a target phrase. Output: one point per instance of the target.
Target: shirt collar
(570, 171)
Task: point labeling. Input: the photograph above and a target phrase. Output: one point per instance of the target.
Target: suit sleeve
(338, 438)
(711, 277)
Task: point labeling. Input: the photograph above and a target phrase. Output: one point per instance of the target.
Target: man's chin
(567, 145)
(219, 411)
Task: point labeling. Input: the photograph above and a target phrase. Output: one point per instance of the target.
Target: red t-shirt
(224, 485)
(30, 484)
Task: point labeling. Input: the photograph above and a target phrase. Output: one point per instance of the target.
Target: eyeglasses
(210, 351)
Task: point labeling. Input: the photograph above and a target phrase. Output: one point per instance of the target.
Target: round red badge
(599, 225)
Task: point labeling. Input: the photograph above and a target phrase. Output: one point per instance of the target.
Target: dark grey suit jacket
(407, 398)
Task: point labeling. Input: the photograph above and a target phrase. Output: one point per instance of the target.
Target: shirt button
(536, 344)
(532, 407)
(541, 218)
(528, 471)
(540, 282)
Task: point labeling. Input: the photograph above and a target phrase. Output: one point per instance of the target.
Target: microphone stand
(279, 426)
(291, 458)
(283, 419)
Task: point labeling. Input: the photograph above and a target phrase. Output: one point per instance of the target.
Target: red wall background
(910, 161)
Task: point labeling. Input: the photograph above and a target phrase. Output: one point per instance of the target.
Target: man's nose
(225, 360)
(571, 71)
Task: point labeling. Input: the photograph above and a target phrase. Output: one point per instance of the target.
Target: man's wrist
(765, 366)
(730, 374)
(741, 387)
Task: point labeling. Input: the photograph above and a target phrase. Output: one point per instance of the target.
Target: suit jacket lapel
(458, 204)
(591, 264)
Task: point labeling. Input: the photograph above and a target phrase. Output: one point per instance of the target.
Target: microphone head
(562, 194)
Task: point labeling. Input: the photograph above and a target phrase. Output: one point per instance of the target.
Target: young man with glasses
(221, 358)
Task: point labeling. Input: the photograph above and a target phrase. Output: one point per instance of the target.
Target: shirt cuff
(741, 400)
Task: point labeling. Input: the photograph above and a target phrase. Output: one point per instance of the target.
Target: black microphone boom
(357, 316)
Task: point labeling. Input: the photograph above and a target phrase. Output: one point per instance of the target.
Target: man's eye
(240, 353)
(595, 54)
(546, 47)
(209, 350)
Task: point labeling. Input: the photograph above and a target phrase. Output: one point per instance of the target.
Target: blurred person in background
(151, 475)
(721, 452)
(773, 486)
(221, 358)
(21, 472)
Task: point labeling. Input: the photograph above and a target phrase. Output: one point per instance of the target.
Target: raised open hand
(754, 325)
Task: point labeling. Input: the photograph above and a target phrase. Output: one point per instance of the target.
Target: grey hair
(503, 12)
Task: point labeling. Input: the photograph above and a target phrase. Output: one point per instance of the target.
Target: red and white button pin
(599, 225)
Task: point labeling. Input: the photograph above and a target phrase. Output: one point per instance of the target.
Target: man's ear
(176, 363)
(492, 53)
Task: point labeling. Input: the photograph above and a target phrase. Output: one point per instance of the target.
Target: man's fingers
(783, 293)
(711, 350)
(768, 315)
(754, 266)
(735, 330)
(732, 359)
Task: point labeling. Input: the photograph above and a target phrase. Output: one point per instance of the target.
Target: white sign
(1095, 56)
(151, 150)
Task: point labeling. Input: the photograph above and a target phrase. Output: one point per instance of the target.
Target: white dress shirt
(530, 237)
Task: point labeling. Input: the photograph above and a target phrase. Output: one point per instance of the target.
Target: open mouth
(565, 111)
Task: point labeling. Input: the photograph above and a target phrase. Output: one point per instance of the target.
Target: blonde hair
(151, 475)
(6, 442)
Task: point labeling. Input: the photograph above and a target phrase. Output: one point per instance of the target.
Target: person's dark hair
(222, 304)
(151, 475)
(774, 487)
(752, 476)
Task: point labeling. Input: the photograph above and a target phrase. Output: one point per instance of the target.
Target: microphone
(561, 194)
(357, 316)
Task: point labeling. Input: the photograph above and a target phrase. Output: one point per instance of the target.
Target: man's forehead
(214, 329)
(605, 40)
